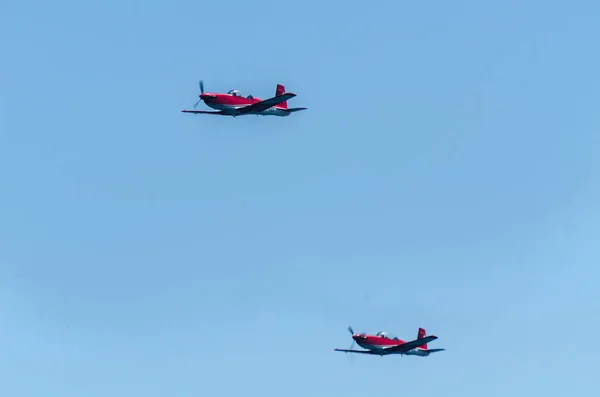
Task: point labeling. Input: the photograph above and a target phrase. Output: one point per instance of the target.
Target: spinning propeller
(353, 341)
(201, 84)
(362, 334)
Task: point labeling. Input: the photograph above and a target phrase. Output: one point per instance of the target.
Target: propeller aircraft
(385, 343)
(234, 104)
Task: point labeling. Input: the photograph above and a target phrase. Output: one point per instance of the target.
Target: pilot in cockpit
(387, 335)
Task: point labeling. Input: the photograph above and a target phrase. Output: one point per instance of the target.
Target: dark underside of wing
(264, 105)
(217, 112)
(358, 351)
(410, 345)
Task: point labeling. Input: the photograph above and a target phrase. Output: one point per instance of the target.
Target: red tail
(278, 92)
(421, 335)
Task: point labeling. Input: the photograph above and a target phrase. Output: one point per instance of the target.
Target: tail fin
(278, 92)
(421, 335)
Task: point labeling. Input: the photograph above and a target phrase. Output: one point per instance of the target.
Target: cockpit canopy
(238, 93)
(387, 335)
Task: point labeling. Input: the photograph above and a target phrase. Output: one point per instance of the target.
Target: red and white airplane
(385, 343)
(234, 104)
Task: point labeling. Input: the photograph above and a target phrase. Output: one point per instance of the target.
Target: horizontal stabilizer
(435, 350)
(292, 110)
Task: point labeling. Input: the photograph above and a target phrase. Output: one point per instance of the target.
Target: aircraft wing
(358, 351)
(264, 105)
(410, 345)
(219, 112)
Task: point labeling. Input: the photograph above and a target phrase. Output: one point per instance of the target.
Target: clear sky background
(446, 175)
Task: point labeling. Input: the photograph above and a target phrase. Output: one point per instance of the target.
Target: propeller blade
(196, 104)
(201, 84)
(351, 330)
(351, 356)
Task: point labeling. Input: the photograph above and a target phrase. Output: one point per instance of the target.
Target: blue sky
(446, 175)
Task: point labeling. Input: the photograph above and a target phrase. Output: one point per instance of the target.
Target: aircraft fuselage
(375, 348)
